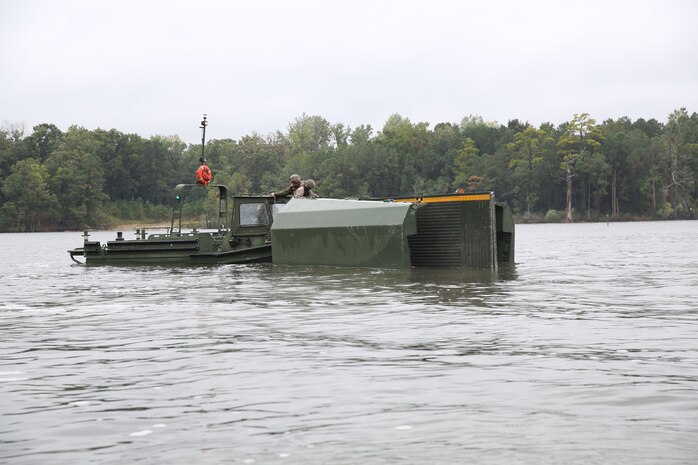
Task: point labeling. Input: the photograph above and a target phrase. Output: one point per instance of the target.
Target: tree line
(576, 171)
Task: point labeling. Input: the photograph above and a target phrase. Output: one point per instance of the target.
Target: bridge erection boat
(241, 236)
(455, 230)
(462, 230)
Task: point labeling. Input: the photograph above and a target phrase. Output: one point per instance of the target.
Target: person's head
(295, 181)
(309, 183)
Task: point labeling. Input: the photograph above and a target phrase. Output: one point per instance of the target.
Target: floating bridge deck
(455, 230)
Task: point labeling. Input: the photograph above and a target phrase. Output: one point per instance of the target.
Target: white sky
(153, 67)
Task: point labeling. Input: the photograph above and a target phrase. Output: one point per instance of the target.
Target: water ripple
(583, 353)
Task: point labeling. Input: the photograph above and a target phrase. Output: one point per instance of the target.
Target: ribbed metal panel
(438, 241)
(454, 234)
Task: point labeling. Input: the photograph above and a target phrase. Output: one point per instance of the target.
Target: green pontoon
(343, 233)
(454, 230)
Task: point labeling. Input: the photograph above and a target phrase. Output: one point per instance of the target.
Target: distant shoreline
(134, 226)
(126, 227)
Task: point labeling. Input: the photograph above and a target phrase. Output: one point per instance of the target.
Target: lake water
(585, 353)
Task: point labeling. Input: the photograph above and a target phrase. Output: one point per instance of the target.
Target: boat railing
(178, 201)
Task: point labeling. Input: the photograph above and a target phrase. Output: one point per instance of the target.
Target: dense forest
(576, 171)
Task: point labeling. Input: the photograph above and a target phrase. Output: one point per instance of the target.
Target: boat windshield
(254, 214)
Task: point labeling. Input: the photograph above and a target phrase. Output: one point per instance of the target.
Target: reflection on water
(585, 352)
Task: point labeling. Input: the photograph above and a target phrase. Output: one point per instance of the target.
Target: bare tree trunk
(528, 206)
(672, 176)
(569, 193)
(528, 185)
(528, 202)
(654, 187)
(654, 196)
(688, 208)
(615, 210)
(613, 193)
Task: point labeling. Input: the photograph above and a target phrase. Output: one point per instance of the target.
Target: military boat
(463, 230)
(241, 236)
(470, 231)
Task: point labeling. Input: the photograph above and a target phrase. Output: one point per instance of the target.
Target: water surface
(586, 352)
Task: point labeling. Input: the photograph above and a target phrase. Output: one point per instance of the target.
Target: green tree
(594, 172)
(527, 154)
(644, 168)
(238, 183)
(42, 142)
(465, 167)
(76, 178)
(340, 134)
(120, 155)
(679, 159)
(307, 134)
(581, 138)
(10, 152)
(163, 162)
(548, 176)
(410, 143)
(27, 194)
(485, 134)
(380, 169)
(516, 126)
(621, 140)
(361, 135)
(446, 142)
(254, 157)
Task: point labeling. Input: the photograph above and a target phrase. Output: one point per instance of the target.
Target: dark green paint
(343, 233)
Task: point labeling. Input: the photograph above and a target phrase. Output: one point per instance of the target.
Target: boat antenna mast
(204, 123)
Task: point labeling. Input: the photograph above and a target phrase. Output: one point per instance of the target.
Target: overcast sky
(153, 67)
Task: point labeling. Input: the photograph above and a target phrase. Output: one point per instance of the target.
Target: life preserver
(204, 175)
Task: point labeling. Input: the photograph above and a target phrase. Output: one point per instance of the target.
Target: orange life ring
(204, 175)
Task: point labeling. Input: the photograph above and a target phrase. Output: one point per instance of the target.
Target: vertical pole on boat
(204, 123)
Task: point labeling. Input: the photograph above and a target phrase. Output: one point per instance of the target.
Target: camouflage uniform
(305, 190)
(288, 192)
